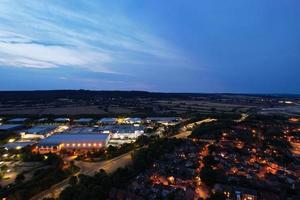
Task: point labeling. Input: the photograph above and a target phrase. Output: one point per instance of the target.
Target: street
(87, 168)
(90, 168)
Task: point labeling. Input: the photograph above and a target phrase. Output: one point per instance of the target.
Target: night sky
(239, 46)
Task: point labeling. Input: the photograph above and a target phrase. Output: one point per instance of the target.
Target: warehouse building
(83, 120)
(62, 120)
(72, 142)
(10, 127)
(130, 120)
(82, 130)
(18, 120)
(121, 134)
(18, 145)
(164, 120)
(41, 131)
(107, 120)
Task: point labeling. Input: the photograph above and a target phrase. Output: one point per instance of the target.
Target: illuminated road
(90, 168)
(86, 168)
(183, 134)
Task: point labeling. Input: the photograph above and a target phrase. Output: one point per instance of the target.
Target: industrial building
(18, 145)
(82, 130)
(107, 120)
(72, 142)
(42, 119)
(130, 120)
(41, 131)
(62, 120)
(163, 120)
(121, 134)
(10, 127)
(83, 120)
(17, 120)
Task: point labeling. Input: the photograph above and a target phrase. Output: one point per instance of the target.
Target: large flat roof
(18, 120)
(108, 119)
(134, 119)
(83, 120)
(81, 130)
(73, 138)
(62, 119)
(40, 129)
(14, 145)
(122, 128)
(6, 127)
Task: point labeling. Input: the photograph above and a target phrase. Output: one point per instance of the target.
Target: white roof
(107, 119)
(69, 138)
(14, 145)
(84, 120)
(62, 119)
(18, 120)
(6, 127)
(41, 129)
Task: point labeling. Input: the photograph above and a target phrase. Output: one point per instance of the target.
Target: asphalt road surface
(86, 168)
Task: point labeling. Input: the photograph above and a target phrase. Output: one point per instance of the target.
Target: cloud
(46, 34)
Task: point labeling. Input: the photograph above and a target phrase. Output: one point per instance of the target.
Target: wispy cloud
(46, 34)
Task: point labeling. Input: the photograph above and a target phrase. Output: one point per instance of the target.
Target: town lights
(171, 179)
(11, 140)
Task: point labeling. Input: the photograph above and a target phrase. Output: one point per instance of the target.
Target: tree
(19, 178)
(208, 176)
(209, 160)
(142, 140)
(73, 180)
(217, 196)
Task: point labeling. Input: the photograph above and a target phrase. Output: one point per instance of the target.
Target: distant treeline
(89, 95)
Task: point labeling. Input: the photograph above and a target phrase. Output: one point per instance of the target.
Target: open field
(115, 103)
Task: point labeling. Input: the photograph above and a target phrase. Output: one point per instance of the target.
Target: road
(183, 134)
(86, 168)
(89, 168)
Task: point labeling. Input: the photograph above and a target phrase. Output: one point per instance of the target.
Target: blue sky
(249, 46)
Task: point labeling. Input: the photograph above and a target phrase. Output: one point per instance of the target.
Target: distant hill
(88, 94)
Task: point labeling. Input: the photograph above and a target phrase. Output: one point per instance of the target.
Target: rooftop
(17, 145)
(62, 119)
(41, 129)
(107, 119)
(82, 120)
(122, 128)
(6, 127)
(82, 130)
(18, 120)
(76, 138)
